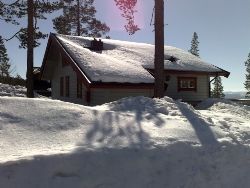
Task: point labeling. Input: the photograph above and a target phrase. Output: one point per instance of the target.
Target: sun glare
(114, 18)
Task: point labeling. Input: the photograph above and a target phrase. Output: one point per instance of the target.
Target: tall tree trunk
(30, 46)
(78, 19)
(159, 49)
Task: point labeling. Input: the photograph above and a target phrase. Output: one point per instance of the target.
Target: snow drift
(10, 90)
(133, 142)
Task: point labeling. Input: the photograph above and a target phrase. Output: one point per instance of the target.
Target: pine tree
(247, 82)
(78, 18)
(28, 36)
(194, 45)
(159, 49)
(40, 8)
(30, 48)
(5, 69)
(217, 91)
(5, 66)
(3, 52)
(4, 60)
(7, 13)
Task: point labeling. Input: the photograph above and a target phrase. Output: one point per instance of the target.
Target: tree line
(217, 90)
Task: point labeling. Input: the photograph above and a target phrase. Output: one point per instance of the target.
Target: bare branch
(15, 35)
(152, 17)
(12, 3)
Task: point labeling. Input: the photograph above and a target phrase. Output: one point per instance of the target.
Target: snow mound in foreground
(225, 106)
(134, 142)
(232, 108)
(210, 102)
(144, 105)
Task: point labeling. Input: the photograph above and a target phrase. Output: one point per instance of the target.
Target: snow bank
(232, 118)
(205, 104)
(9, 90)
(224, 105)
(233, 108)
(143, 105)
(133, 142)
(180, 165)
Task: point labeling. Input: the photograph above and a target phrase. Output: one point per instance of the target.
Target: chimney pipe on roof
(96, 45)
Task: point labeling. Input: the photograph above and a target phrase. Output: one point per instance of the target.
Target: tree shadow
(201, 127)
(121, 125)
(8, 118)
(175, 165)
(179, 165)
(111, 129)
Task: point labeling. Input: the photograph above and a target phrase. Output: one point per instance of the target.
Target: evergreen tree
(5, 66)
(78, 18)
(3, 52)
(7, 13)
(5, 69)
(4, 60)
(30, 48)
(194, 45)
(217, 91)
(247, 82)
(18, 80)
(39, 8)
(28, 36)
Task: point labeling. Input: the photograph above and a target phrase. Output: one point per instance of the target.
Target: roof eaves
(223, 72)
(212, 73)
(45, 55)
(72, 59)
(122, 85)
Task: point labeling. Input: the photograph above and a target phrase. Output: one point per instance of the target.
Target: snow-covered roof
(122, 61)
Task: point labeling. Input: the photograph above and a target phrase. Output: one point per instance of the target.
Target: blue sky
(223, 28)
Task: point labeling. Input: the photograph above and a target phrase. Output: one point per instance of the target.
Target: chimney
(172, 59)
(96, 45)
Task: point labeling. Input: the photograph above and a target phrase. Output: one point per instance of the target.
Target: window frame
(61, 86)
(79, 88)
(67, 86)
(189, 80)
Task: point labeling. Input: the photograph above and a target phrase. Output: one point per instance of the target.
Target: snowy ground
(9, 90)
(134, 142)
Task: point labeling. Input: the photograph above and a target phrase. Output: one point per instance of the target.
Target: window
(79, 88)
(61, 86)
(187, 84)
(88, 96)
(167, 79)
(67, 86)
